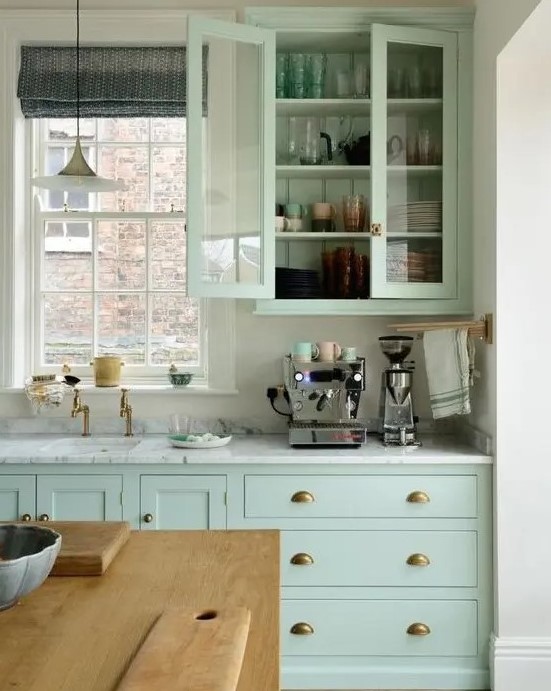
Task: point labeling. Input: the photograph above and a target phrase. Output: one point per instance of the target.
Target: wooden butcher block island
(83, 633)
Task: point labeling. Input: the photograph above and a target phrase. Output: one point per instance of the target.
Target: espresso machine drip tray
(326, 434)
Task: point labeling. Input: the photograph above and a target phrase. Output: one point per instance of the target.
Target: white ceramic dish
(180, 441)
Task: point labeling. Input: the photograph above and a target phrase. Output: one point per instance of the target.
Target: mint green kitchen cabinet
(17, 497)
(79, 498)
(182, 502)
(386, 568)
(416, 111)
(385, 573)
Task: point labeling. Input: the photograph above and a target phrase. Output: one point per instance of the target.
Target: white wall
(495, 23)
(512, 219)
(261, 341)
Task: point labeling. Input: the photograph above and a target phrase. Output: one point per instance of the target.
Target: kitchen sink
(90, 446)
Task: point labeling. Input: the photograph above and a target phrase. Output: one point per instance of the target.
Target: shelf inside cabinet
(305, 235)
(414, 105)
(323, 106)
(414, 235)
(414, 170)
(326, 171)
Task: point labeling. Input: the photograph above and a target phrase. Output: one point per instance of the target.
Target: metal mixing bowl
(27, 555)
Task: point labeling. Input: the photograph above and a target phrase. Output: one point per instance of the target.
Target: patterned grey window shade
(114, 82)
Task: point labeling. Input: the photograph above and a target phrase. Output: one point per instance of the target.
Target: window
(38, 231)
(112, 265)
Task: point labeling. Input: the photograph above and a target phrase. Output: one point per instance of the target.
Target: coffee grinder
(396, 408)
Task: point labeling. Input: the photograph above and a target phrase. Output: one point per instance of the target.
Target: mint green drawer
(378, 558)
(361, 496)
(379, 627)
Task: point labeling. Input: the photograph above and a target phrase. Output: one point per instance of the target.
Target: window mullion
(148, 293)
(95, 288)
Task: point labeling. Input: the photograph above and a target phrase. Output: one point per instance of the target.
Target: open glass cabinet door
(414, 163)
(230, 160)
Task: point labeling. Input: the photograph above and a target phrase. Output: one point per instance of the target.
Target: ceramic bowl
(27, 555)
(180, 378)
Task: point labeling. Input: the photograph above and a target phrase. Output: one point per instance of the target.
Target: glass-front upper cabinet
(414, 166)
(230, 159)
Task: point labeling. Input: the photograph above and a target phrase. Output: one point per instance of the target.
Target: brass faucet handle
(124, 402)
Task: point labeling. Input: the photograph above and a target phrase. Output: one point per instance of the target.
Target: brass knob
(148, 518)
(418, 498)
(303, 497)
(302, 629)
(418, 629)
(418, 560)
(302, 559)
(26, 517)
(43, 517)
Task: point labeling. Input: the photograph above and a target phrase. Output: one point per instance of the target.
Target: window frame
(18, 261)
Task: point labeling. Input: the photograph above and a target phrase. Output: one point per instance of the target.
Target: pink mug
(329, 351)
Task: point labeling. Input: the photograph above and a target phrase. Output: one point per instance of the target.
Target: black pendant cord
(78, 69)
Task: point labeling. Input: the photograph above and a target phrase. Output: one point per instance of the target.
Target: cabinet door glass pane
(414, 163)
(228, 200)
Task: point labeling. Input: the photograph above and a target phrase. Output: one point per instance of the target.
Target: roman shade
(114, 81)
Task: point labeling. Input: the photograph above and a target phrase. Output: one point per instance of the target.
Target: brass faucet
(79, 407)
(126, 412)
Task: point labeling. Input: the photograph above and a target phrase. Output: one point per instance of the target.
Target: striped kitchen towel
(449, 359)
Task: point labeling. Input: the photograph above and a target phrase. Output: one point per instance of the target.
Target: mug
(305, 351)
(323, 210)
(295, 210)
(323, 225)
(292, 225)
(279, 224)
(348, 353)
(328, 351)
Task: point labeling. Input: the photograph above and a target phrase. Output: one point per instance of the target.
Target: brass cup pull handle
(148, 518)
(418, 498)
(418, 629)
(302, 497)
(418, 559)
(26, 517)
(43, 517)
(301, 628)
(302, 559)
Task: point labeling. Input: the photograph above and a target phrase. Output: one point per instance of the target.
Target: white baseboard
(520, 664)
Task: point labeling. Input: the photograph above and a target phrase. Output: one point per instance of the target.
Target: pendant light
(77, 174)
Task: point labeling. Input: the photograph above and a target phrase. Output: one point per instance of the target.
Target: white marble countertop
(242, 449)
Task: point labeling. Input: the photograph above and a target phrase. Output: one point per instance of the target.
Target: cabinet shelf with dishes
(354, 113)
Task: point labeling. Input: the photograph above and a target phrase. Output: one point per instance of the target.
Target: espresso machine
(324, 398)
(396, 407)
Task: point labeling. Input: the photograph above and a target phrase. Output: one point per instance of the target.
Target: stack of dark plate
(297, 283)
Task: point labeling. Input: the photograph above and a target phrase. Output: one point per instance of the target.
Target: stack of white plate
(415, 217)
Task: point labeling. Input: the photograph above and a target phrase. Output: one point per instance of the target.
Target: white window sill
(164, 389)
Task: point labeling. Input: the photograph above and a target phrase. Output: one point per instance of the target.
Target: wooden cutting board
(190, 649)
(87, 547)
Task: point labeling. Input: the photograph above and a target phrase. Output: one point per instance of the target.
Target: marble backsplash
(261, 425)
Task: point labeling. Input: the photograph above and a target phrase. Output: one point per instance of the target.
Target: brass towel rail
(483, 328)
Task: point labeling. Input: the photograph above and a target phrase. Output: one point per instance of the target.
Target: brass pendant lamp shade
(77, 174)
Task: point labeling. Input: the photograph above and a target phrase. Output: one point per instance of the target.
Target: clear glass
(121, 262)
(168, 173)
(67, 259)
(175, 333)
(232, 192)
(167, 247)
(68, 320)
(121, 326)
(414, 163)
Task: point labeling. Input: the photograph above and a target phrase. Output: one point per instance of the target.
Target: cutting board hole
(208, 614)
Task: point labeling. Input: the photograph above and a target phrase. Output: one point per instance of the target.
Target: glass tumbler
(317, 66)
(297, 75)
(353, 213)
(282, 68)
